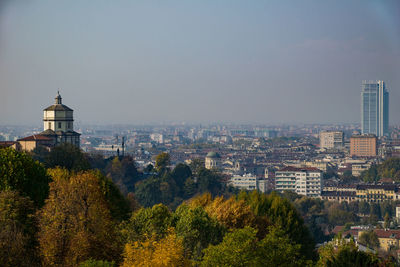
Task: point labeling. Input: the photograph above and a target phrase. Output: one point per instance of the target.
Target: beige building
(58, 123)
(213, 161)
(331, 139)
(363, 145)
(31, 142)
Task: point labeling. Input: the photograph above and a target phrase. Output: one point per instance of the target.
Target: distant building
(363, 145)
(303, 181)
(58, 124)
(331, 139)
(376, 193)
(374, 108)
(249, 182)
(213, 160)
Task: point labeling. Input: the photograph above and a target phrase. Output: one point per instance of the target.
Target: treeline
(62, 217)
(389, 168)
(322, 216)
(153, 185)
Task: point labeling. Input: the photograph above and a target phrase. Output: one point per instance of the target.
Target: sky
(134, 62)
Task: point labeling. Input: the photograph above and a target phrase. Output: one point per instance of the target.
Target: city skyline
(229, 62)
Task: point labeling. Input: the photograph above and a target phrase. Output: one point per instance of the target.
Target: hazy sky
(197, 61)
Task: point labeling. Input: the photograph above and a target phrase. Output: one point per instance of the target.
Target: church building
(58, 128)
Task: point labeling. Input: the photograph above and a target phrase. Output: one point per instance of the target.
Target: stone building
(58, 128)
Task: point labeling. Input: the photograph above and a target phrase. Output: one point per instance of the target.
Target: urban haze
(143, 62)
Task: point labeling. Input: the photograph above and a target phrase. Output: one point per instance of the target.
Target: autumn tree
(18, 231)
(75, 223)
(163, 161)
(19, 172)
(167, 251)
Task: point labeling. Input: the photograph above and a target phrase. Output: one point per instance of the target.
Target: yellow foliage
(200, 201)
(167, 251)
(75, 223)
(231, 213)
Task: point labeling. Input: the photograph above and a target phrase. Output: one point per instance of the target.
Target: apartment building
(303, 181)
(363, 145)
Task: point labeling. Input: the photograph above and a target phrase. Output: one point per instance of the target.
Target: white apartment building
(249, 182)
(304, 181)
(331, 139)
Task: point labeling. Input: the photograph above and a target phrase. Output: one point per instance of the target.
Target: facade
(31, 142)
(374, 108)
(303, 181)
(213, 160)
(331, 139)
(249, 182)
(363, 145)
(58, 123)
(376, 193)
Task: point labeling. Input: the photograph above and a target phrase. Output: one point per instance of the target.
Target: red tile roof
(382, 233)
(36, 137)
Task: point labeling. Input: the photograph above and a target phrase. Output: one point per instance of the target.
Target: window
(49, 125)
(59, 125)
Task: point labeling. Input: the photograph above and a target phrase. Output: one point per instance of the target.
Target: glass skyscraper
(374, 108)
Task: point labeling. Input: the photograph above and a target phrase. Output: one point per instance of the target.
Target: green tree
(180, 173)
(241, 248)
(147, 222)
(283, 215)
(67, 156)
(18, 230)
(341, 253)
(19, 172)
(196, 229)
(148, 191)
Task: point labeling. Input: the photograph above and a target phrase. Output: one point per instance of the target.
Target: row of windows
(59, 125)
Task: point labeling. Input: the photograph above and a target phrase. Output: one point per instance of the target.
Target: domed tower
(58, 122)
(213, 160)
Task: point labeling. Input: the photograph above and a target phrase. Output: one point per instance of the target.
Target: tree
(369, 239)
(180, 173)
(231, 213)
(95, 263)
(67, 156)
(163, 160)
(147, 222)
(241, 248)
(283, 215)
(167, 251)
(189, 188)
(209, 181)
(196, 229)
(19, 172)
(148, 191)
(75, 223)
(341, 253)
(18, 230)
